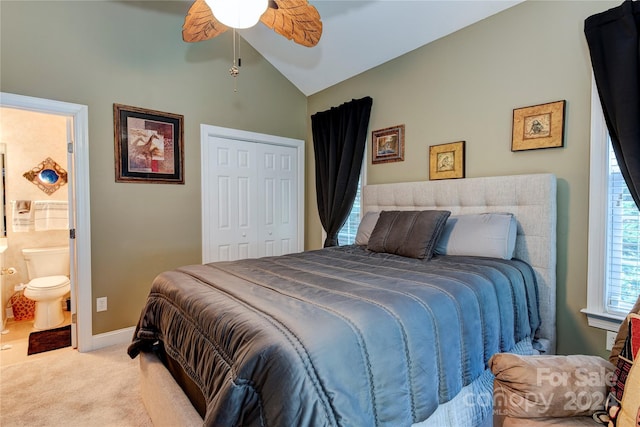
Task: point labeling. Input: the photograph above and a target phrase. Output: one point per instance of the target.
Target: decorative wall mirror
(48, 176)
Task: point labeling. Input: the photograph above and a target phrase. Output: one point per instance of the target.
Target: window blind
(623, 266)
(347, 234)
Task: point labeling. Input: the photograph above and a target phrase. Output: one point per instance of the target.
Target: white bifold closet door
(251, 209)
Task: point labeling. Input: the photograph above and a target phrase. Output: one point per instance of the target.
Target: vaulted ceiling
(362, 34)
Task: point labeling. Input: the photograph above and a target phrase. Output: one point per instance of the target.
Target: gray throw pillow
(367, 223)
(549, 386)
(408, 233)
(487, 234)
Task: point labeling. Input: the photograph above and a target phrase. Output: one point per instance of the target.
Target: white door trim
(207, 131)
(80, 177)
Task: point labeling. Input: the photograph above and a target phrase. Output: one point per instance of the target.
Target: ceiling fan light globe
(238, 13)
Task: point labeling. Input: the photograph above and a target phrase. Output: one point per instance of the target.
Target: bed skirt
(163, 398)
(169, 406)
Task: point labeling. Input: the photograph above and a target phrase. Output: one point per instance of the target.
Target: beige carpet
(99, 388)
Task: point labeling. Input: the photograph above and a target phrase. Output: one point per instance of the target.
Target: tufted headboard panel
(531, 198)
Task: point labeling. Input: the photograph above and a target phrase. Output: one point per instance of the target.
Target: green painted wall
(462, 87)
(465, 87)
(98, 53)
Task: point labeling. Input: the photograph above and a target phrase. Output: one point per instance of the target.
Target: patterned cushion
(623, 404)
(621, 337)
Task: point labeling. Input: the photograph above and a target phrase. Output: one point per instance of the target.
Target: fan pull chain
(234, 70)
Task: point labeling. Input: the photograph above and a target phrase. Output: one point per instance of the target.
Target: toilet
(48, 272)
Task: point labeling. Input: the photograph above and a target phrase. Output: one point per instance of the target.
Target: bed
(382, 333)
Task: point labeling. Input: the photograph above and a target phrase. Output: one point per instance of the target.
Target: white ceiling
(361, 34)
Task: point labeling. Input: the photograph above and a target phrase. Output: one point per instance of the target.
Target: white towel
(22, 215)
(51, 215)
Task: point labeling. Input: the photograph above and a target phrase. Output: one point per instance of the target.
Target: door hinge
(74, 318)
(70, 147)
(72, 233)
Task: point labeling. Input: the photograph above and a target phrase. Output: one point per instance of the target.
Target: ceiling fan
(296, 20)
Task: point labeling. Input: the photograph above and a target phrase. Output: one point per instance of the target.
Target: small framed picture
(148, 146)
(446, 161)
(388, 144)
(538, 126)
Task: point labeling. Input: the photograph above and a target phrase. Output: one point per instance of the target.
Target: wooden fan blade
(297, 20)
(200, 24)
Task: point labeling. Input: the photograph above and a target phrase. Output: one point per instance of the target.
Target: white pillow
(489, 234)
(366, 226)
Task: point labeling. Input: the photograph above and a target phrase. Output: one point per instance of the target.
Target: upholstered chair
(550, 390)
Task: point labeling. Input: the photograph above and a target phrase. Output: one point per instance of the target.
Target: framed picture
(539, 126)
(446, 161)
(388, 144)
(148, 145)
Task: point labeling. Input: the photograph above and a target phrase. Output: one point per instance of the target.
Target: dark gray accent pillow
(410, 234)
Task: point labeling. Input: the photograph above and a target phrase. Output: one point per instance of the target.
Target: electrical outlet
(611, 340)
(101, 304)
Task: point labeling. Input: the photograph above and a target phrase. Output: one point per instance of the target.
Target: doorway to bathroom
(74, 144)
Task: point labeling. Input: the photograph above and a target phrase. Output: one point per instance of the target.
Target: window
(347, 234)
(614, 233)
(623, 252)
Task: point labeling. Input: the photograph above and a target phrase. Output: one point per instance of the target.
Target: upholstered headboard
(531, 198)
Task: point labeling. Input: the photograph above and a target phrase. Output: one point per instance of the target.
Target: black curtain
(339, 138)
(612, 37)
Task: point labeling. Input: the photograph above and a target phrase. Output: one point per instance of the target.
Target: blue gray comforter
(339, 336)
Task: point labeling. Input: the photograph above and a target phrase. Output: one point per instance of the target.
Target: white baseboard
(120, 336)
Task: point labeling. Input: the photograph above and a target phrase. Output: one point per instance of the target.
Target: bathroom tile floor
(14, 344)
